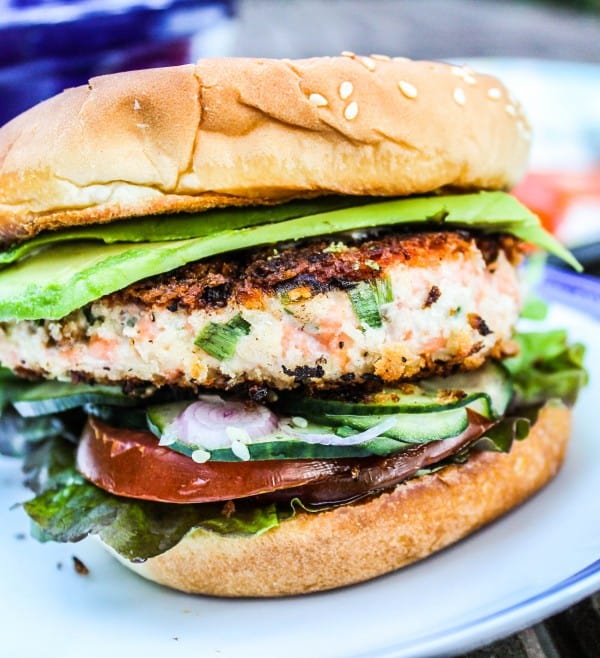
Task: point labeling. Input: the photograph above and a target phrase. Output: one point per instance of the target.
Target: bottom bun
(352, 543)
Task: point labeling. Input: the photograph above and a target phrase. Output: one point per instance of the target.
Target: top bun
(255, 131)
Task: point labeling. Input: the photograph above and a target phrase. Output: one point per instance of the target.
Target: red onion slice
(329, 439)
(216, 423)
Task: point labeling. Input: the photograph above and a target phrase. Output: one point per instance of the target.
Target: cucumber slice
(493, 379)
(429, 395)
(285, 448)
(417, 427)
(435, 409)
(160, 415)
(133, 418)
(53, 397)
(417, 402)
(276, 446)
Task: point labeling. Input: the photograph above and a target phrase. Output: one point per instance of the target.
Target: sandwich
(257, 318)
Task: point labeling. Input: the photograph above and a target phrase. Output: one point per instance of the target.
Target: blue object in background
(579, 291)
(47, 46)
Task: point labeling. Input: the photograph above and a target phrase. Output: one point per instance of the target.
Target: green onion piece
(367, 297)
(219, 339)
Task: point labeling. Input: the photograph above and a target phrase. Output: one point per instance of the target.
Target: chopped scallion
(219, 339)
(367, 297)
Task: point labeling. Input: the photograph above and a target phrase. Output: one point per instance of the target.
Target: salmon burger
(258, 318)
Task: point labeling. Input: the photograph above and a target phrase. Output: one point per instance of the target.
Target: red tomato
(131, 463)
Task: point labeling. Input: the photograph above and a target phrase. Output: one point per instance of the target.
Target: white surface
(503, 578)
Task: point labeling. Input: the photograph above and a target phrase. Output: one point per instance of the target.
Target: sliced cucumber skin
(53, 397)
(413, 404)
(417, 427)
(491, 380)
(419, 418)
(133, 418)
(160, 415)
(297, 449)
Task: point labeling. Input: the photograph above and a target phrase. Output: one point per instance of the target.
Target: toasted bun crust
(349, 544)
(255, 131)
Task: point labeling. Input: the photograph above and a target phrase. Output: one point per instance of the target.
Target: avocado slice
(54, 281)
(159, 228)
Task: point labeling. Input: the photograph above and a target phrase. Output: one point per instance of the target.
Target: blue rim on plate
(498, 624)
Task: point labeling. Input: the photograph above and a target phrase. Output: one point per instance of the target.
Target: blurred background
(547, 51)
(436, 29)
(47, 45)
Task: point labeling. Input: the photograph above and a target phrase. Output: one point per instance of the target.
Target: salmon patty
(331, 312)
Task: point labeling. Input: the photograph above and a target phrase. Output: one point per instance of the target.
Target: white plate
(537, 560)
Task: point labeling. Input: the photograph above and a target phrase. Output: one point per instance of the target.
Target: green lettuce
(68, 508)
(547, 367)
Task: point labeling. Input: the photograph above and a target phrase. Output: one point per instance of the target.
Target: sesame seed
(457, 71)
(200, 456)
(381, 58)
(401, 59)
(240, 450)
(348, 53)
(318, 100)
(470, 79)
(494, 93)
(351, 111)
(459, 96)
(368, 63)
(510, 109)
(410, 91)
(136, 105)
(300, 422)
(346, 89)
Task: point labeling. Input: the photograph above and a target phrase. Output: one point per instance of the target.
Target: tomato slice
(131, 463)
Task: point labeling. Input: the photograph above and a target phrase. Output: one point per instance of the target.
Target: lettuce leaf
(547, 367)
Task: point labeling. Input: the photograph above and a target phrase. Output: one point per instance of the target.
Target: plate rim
(495, 625)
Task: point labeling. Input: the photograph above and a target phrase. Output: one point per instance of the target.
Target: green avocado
(160, 228)
(66, 275)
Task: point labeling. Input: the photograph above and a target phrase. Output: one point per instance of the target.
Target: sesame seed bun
(353, 543)
(255, 131)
